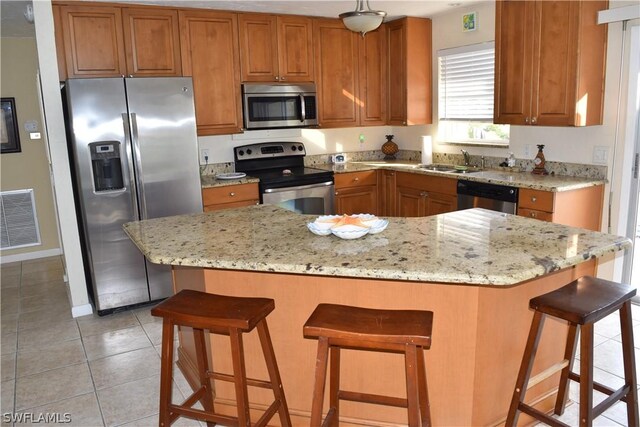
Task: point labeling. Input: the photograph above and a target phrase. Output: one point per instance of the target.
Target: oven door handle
(303, 108)
(300, 187)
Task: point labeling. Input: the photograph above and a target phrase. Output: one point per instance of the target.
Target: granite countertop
(210, 181)
(554, 183)
(475, 246)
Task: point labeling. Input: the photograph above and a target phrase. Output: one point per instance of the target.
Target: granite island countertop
(554, 183)
(474, 247)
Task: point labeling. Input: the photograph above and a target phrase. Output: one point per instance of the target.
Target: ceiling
(13, 23)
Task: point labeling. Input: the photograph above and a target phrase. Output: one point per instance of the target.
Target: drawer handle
(534, 199)
(232, 194)
(356, 179)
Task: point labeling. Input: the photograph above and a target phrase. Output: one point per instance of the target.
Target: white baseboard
(81, 310)
(30, 255)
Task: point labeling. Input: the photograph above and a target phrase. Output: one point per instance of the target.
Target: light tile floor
(104, 371)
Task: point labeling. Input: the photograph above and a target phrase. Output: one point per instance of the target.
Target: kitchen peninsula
(475, 269)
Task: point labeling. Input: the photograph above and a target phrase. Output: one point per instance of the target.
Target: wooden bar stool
(582, 303)
(223, 315)
(397, 331)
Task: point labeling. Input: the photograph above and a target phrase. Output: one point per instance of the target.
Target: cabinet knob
(232, 194)
(282, 78)
(533, 120)
(356, 179)
(336, 193)
(424, 194)
(392, 174)
(526, 120)
(277, 77)
(534, 199)
(532, 214)
(404, 123)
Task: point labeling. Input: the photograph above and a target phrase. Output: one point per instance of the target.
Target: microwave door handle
(302, 108)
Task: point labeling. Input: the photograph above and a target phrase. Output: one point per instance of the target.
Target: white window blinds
(466, 83)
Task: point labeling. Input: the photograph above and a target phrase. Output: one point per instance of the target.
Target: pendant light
(362, 20)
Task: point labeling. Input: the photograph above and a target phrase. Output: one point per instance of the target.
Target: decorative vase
(390, 148)
(539, 162)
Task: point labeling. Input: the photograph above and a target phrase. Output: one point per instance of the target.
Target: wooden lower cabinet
(356, 192)
(387, 193)
(230, 196)
(577, 208)
(422, 195)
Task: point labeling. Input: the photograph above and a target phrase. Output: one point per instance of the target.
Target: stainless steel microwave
(269, 106)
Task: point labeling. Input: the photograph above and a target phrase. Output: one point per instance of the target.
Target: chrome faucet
(467, 158)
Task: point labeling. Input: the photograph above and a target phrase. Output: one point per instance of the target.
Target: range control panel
(268, 150)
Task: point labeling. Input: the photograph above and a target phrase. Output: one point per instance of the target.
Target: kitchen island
(475, 269)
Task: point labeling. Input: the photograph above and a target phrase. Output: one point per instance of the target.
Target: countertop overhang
(472, 247)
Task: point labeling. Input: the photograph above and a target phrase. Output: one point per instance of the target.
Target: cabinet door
(295, 48)
(437, 203)
(152, 42)
(372, 73)
(336, 60)
(93, 44)
(209, 43)
(387, 193)
(258, 47)
(410, 202)
(356, 200)
(514, 53)
(554, 63)
(397, 96)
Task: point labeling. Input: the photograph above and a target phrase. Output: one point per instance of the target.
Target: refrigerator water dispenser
(106, 164)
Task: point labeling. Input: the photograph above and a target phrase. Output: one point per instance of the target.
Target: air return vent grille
(18, 221)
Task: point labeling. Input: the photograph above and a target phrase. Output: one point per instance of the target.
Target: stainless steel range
(284, 180)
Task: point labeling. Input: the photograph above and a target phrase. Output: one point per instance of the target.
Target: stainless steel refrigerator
(135, 156)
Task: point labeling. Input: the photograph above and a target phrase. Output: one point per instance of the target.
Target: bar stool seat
(223, 315)
(399, 331)
(582, 303)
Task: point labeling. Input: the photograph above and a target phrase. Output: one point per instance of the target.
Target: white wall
(59, 158)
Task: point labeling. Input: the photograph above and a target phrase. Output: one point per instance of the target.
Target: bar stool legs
(582, 303)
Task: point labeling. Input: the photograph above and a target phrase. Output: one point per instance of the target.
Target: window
(465, 96)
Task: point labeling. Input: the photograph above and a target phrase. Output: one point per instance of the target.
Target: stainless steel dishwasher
(495, 197)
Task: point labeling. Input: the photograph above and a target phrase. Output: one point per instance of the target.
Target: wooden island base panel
(479, 334)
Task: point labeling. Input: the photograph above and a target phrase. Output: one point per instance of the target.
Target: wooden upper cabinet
(152, 42)
(57, 25)
(258, 47)
(93, 41)
(372, 73)
(209, 45)
(295, 48)
(275, 48)
(336, 61)
(409, 55)
(550, 63)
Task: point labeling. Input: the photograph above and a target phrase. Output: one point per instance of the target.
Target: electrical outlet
(600, 155)
(204, 156)
(361, 138)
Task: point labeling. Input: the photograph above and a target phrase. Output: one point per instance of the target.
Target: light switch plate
(600, 155)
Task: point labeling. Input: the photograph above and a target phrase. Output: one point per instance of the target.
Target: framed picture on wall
(9, 137)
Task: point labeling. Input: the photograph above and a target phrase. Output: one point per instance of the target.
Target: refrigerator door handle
(128, 150)
(138, 165)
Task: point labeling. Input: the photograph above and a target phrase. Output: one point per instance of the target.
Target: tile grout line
(93, 382)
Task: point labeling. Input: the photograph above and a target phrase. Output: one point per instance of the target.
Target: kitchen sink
(450, 168)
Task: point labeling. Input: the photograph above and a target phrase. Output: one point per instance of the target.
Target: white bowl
(325, 222)
(366, 219)
(317, 230)
(378, 226)
(348, 234)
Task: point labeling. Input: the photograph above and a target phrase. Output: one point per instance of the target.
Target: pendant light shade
(362, 20)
